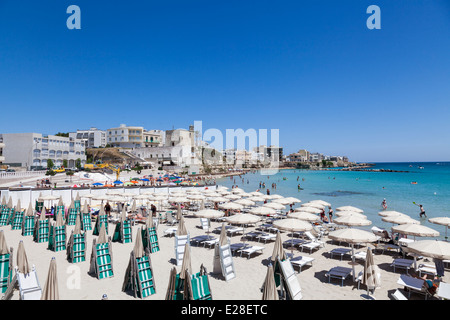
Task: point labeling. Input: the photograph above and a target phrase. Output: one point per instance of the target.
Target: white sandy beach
(76, 284)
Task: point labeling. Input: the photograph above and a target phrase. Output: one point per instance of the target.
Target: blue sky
(311, 69)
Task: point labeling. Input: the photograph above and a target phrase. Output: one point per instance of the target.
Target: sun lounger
(252, 235)
(413, 284)
(398, 295)
(180, 244)
(443, 292)
(139, 276)
(266, 237)
(198, 240)
(301, 261)
(340, 273)
(340, 252)
(76, 248)
(6, 270)
(17, 220)
(210, 243)
(170, 219)
(57, 238)
(29, 287)
(402, 263)
(150, 239)
(293, 243)
(386, 246)
(427, 268)
(226, 262)
(311, 245)
(101, 260)
(250, 250)
(235, 230)
(170, 232)
(361, 255)
(235, 247)
(290, 281)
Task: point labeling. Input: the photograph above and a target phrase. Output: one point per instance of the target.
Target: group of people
(421, 213)
(323, 216)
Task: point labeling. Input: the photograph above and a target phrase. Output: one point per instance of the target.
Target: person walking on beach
(422, 210)
(384, 204)
(108, 209)
(330, 214)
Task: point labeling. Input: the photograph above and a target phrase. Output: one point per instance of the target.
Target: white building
(153, 138)
(125, 136)
(2, 146)
(93, 138)
(32, 150)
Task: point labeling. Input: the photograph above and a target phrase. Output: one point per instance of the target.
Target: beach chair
(101, 219)
(210, 243)
(398, 295)
(5, 215)
(170, 219)
(289, 280)
(170, 231)
(249, 250)
(340, 273)
(266, 237)
(38, 205)
(17, 220)
(57, 238)
(341, 252)
(412, 284)
(235, 230)
(6, 270)
(226, 262)
(402, 263)
(180, 242)
(205, 223)
(427, 269)
(71, 216)
(198, 287)
(101, 264)
(313, 243)
(41, 230)
(29, 287)
(139, 276)
(76, 248)
(301, 261)
(28, 226)
(86, 222)
(150, 239)
(123, 232)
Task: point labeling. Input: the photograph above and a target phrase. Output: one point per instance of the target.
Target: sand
(76, 284)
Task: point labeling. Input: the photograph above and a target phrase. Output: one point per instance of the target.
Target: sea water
(425, 183)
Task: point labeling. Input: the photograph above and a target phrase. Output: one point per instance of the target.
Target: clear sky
(311, 69)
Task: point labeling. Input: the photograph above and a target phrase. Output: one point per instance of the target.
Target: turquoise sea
(365, 190)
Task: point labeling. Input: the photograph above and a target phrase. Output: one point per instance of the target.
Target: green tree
(65, 163)
(50, 164)
(78, 163)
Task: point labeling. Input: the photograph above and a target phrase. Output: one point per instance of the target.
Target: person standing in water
(422, 210)
(384, 204)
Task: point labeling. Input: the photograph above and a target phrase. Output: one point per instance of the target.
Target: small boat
(413, 182)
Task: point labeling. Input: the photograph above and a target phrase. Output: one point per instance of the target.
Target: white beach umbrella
(389, 213)
(237, 190)
(292, 225)
(274, 196)
(179, 199)
(101, 197)
(308, 209)
(293, 200)
(431, 248)
(399, 219)
(349, 208)
(209, 214)
(231, 206)
(350, 213)
(245, 202)
(353, 236)
(256, 193)
(416, 230)
(306, 216)
(243, 219)
(443, 221)
(219, 199)
(256, 198)
(350, 220)
(324, 203)
(312, 205)
(274, 205)
(262, 211)
(232, 196)
(283, 201)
